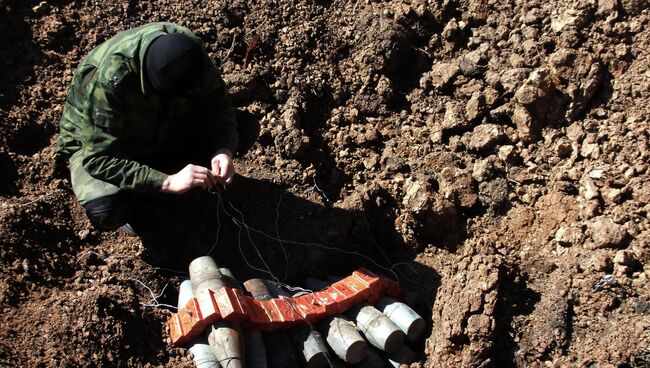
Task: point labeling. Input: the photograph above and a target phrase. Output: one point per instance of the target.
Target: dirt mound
(493, 155)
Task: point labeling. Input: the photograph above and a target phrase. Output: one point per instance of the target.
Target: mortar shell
(344, 339)
(403, 355)
(278, 345)
(373, 360)
(229, 278)
(404, 317)
(184, 293)
(201, 351)
(203, 356)
(258, 289)
(377, 328)
(225, 338)
(313, 347)
(255, 349)
(205, 274)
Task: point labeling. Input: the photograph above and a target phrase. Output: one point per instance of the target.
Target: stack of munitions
(363, 336)
(224, 337)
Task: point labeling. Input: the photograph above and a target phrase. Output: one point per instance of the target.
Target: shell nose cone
(344, 339)
(404, 317)
(184, 293)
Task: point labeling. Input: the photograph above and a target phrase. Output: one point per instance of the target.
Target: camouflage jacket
(118, 122)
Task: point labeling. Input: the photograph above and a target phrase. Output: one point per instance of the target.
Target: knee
(248, 128)
(109, 212)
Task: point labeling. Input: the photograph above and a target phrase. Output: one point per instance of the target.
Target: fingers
(200, 176)
(230, 174)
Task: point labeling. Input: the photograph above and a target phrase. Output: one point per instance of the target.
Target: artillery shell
(404, 317)
(344, 339)
(377, 328)
(205, 274)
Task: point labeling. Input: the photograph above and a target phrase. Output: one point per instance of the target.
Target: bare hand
(191, 176)
(222, 168)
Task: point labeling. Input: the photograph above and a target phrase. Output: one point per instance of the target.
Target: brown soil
(492, 154)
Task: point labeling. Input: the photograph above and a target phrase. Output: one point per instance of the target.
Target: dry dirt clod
(484, 137)
(605, 233)
(570, 235)
(440, 76)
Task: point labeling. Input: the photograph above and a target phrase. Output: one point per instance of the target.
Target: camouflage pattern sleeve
(101, 145)
(219, 110)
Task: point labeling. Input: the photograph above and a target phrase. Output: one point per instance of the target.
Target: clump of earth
(492, 156)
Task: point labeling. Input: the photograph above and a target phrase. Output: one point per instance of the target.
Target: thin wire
(277, 233)
(153, 302)
(241, 223)
(216, 240)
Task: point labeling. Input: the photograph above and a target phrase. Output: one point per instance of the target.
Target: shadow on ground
(258, 229)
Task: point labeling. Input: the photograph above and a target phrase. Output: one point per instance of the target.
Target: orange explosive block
(231, 304)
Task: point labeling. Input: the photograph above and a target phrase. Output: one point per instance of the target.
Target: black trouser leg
(110, 212)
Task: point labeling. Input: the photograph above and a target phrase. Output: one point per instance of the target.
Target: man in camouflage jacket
(148, 112)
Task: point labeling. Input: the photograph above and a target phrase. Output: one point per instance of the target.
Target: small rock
(451, 29)
(507, 153)
(440, 76)
(291, 118)
(568, 236)
(563, 57)
(457, 185)
(605, 233)
(624, 258)
(601, 262)
(591, 209)
(613, 196)
(513, 78)
(534, 88)
(351, 114)
(371, 161)
(596, 173)
(590, 150)
(473, 63)
(527, 130)
(454, 117)
(494, 194)
(475, 106)
(25, 265)
(486, 169)
(485, 136)
(83, 234)
(575, 132)
(570, 18)
(385, 89)
(606, 7)
(589, 189)
(427, 213)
